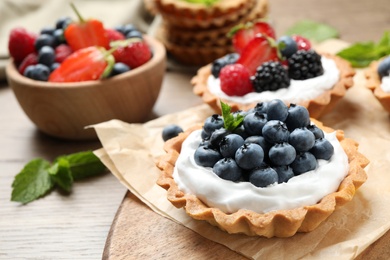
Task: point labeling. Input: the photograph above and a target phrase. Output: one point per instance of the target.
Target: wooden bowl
(64, 109)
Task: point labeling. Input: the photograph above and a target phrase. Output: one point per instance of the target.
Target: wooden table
(77, 226)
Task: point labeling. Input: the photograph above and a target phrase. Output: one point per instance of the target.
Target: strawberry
(62, 51)
(31, 59)
(235, 80)
(21, 43)
(132, 52)
(302, 42)
(86, 33)
(243, 33)
(114, 35)
(90, 63)
(260, 49)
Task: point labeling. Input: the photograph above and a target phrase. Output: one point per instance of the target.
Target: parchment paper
(130, 152)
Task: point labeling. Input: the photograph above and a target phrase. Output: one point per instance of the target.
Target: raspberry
(133, 54)
(62, 51)
(114, 35)
(305, 65)
(31, 59)
(302, 42)
(270, 76)
(21, 43)
(235, 80)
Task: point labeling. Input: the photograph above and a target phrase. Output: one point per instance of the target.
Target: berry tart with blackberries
(378, 81)
(264, 67)
(269, 171)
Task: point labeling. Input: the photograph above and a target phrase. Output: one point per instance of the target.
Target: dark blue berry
(275, 131)
(37, 72)
(302, 139)
(229, 145)
(125, 29)
(240, 130)
(46, 56)
(260, 140)
(285, 173)
(384, 67)
(119, 68)
(134, 34)
(282, 154)
(218, 64)
(318, 133)
(263, 176)
(171, 131)
(217, 135)
(47, 30)
(45, 40)
(254, 123)
(304, 162)
(227, 169)
(277, 110)
(249, 156)
(287, 46)
(54, 66)
(261, 107)
(59, 36)
(63, 22)
(322, 149)
(298, 116)
(206, 156)
(213, 123)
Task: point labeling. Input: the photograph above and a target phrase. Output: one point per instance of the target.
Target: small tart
(374, 84)
(183, 14)
(317, 107)
(278, 223)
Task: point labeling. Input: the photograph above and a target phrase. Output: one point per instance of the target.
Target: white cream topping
(302, 190)
(385, 84)
(298, 90)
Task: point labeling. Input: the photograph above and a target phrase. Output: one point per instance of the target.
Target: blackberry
(305, 64)
(218, 64)
(271, 75)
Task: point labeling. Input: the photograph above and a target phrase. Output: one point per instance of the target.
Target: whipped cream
(302, 190)
(385, 84)
(298, 90)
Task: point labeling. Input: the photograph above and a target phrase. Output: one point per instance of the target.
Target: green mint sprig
(361, 54)
(313, 30)
(231, 120)
(39, 176)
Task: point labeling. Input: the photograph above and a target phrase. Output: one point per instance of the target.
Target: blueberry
(298, 116)
(277, 110)
(227, 169)
(263, 176)
(125, 29)
(287, 46)
(322, 149)
(212, 123)
(217, 135)
(318, 133)
(261, 107)
(303, 162)
(282, 154)
(218, 64)
(285, 173)
(134, 34)
(46, 56)
(260, 140)
(249, 156)
(229, 145)
(54, 66)
(59, 36)
(302, 139)
(240, 130)
(37, 72)
(119, 68)
(171, 131)
(275, 131)
(44, 40)
(47, 30)
(206, 156)
(384, 67)
(63, 22)
(254, 123)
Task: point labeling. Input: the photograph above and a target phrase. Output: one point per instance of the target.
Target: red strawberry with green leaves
(132, 52)
(259, 50)
(21, 43)
(91, 63)
(235, 80)
(242, 34)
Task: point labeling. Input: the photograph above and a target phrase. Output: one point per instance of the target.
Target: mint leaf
(361, 54)
(84, 164)
(231, 121)
(313, 30)
(32, 182)
(61, 175)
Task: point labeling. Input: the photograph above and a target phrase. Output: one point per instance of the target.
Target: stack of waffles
(195, 33)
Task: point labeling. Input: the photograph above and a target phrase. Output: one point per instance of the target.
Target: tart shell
(374, 84)
(278, 223)
(317, 107)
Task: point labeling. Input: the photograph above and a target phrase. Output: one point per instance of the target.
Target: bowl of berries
(80, 73)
